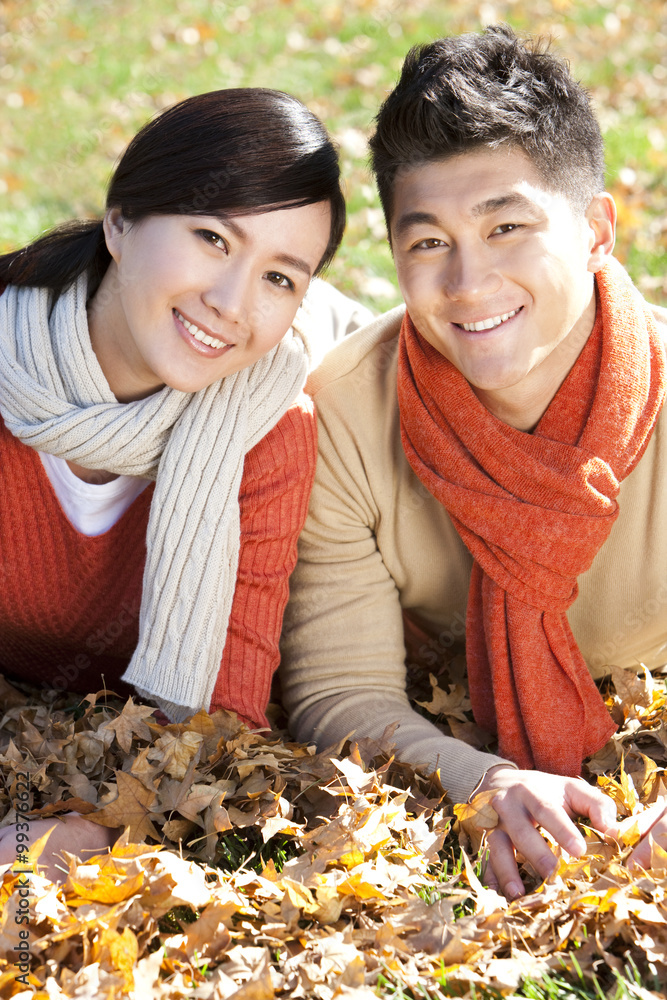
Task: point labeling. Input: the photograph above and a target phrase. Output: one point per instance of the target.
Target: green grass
(628, 985)
(245, 848)
(77, 80)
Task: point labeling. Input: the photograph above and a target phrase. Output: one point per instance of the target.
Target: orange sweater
(69, 603)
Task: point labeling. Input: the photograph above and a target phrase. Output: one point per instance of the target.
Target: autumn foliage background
(292, 873)
(77, 79)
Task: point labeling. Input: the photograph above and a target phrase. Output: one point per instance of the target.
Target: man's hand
(72, 833)
(526, 800)
(652, 821)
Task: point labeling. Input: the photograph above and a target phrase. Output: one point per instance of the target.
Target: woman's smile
(198, 339)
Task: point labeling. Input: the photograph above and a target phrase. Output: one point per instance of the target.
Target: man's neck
(523, 405)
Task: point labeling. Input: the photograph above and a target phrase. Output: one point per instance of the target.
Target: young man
(495, 457)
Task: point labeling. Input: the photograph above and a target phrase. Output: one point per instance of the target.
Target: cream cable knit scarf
(54, 397)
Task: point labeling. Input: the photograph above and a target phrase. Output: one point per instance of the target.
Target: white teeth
(488, 324)
(199, 334)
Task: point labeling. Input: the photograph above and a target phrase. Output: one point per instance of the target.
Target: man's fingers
(641, 856)
(583, 799)
(525, 800)
(644, 820)
(652, 825)
(520, 825)
(555, 820)
(502, 871)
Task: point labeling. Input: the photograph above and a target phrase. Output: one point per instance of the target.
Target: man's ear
(115, 227)
(601, 218)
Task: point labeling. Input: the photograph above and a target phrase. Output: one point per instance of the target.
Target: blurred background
(79, 77)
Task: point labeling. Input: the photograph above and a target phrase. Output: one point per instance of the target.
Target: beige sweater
(376, 542)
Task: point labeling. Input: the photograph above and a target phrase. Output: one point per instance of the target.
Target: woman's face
(189, 299)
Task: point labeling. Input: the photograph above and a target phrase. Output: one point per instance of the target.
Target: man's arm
(343, 653)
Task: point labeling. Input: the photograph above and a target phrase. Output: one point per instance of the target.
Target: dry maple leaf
(132, 808)
(474, 818)
(453, 702)
(635, 690)
(177, 751)
(129, 723)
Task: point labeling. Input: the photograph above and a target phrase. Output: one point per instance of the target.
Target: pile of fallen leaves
(252, 867)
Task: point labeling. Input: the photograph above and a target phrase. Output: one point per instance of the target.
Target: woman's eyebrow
(296, 262)
(281, 258)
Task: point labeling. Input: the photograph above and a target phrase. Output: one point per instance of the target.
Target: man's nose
(470, 274)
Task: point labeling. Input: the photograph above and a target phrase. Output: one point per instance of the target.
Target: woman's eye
(215, 239)
(281, 280)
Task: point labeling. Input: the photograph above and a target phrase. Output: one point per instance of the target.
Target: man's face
(496, 270)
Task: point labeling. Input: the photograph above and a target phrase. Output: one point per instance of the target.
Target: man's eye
(281, 280)
(429, 244)
(507, 227)
(215, 239)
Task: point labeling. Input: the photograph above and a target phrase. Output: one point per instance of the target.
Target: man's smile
(488, 324)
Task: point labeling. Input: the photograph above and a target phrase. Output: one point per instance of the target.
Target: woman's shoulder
(290, 445)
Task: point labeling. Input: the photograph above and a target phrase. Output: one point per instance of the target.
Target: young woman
(155, 462)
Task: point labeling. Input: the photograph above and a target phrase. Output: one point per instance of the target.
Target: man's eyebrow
(410, 219)
(281, 258)
(512, 200)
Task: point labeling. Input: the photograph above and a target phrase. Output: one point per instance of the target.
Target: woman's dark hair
(492, 89)
(233, 152)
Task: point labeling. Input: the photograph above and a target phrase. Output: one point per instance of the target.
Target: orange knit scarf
(533, 509)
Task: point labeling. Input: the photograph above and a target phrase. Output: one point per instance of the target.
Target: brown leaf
(177, 751)
(221, 725)
(209, 936)
(453, 702)
(65, 805)
(132, 808)
(129, 723)
(633, 688)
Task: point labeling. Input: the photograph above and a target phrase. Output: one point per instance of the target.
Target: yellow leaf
(103, 887)
(352, 858)
(479, 813)
(118, 952)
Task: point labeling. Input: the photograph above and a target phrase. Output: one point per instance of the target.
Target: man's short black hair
(490, 90)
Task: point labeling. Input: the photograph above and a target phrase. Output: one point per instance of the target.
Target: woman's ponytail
(56, 259)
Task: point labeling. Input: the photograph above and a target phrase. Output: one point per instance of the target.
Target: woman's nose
(228, 294)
